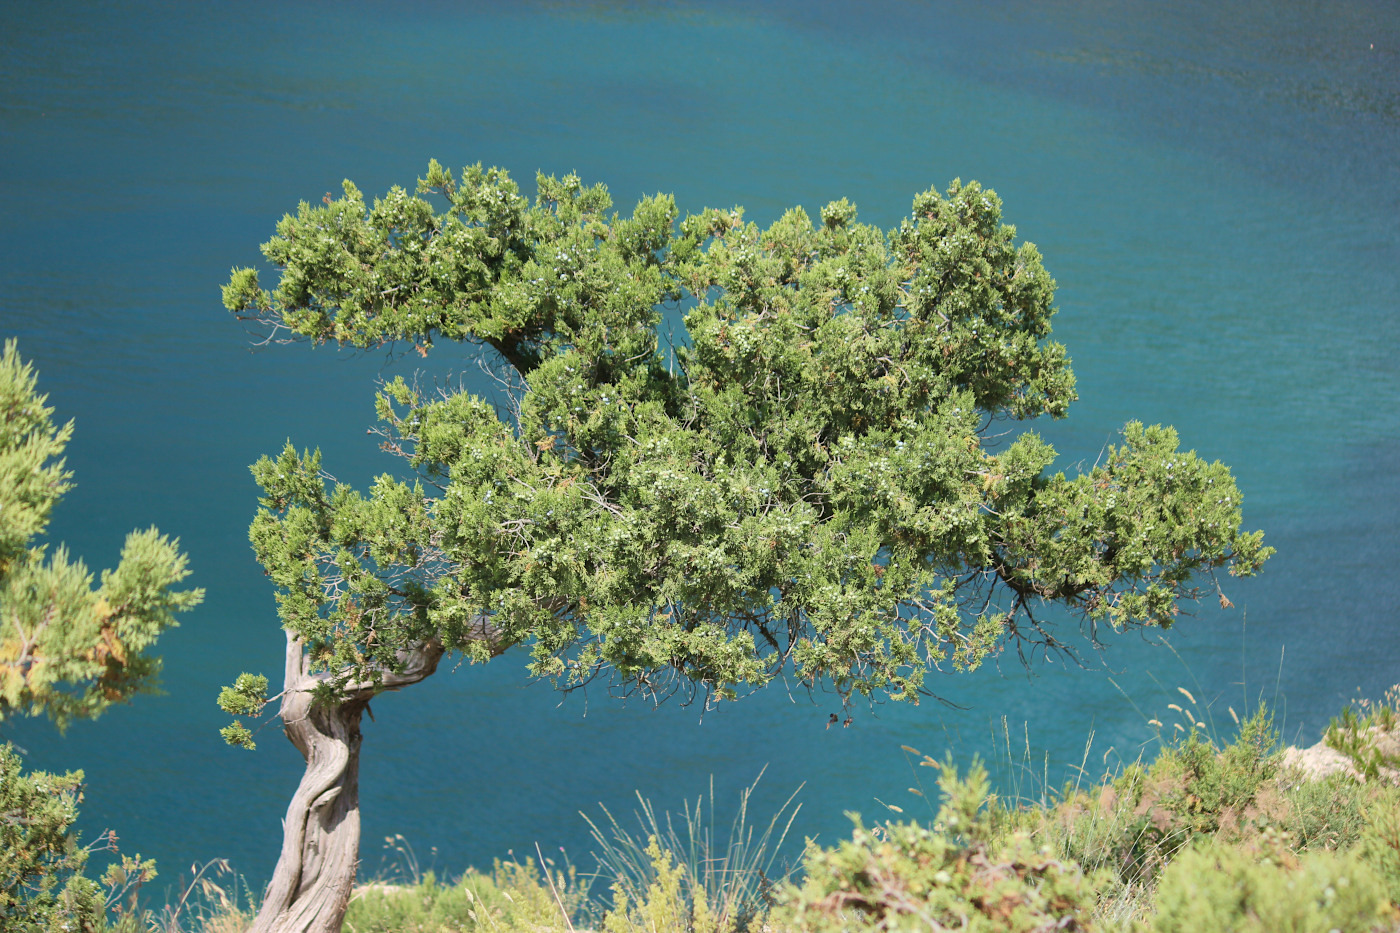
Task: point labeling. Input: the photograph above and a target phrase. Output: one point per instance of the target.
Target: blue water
(1215, 187)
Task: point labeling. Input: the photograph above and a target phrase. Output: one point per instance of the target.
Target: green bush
(671, 902)
(1135, 823)
(962, 874)
(1229, 889)
(1331, 812)
(42, 886)
(1379, 845)
(41, 865)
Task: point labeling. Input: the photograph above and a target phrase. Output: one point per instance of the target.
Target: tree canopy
(812, 477)
(67, 648)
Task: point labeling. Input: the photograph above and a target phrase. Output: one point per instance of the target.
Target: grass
(211, 899)
(734, 878)
(514, 897)
(1355, 733)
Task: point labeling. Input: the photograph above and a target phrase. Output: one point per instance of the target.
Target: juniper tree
(67, 649)
(808, 480)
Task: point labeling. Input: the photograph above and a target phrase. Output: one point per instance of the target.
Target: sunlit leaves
(67, 648)
(41, 862)
(804, 482)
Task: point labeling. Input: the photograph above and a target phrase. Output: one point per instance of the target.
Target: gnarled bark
(315, 873)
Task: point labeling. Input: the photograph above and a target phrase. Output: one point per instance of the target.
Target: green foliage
(806, 480)
(1204, 837)
(665, 904)
(1330, 812)
(69, 650)
(1198, 784)
(1379, 845)
(1130, 830)
(239, 735)
(41, 865)
(960, 874)
(1233, 890)
(246, 697)
(66, 648)
(1201, 838)
(42, 886)
(31, 481)
(1136, 823)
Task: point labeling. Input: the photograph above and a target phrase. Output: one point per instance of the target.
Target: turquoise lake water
(1215, 187)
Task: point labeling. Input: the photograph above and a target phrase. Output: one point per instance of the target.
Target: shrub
(1135, 823)
(1379, 846)
(668, 904)
(1230, 888)
(41, 865)
(42, 886)
(1330, 812)
(961, 874)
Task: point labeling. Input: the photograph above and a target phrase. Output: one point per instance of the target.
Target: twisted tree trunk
(310, 888)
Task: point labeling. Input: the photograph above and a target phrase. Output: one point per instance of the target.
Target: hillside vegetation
(1239, 835)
